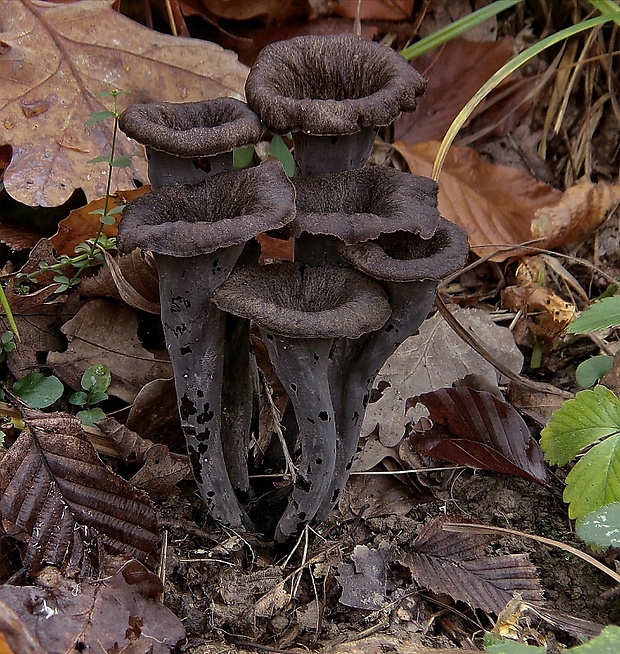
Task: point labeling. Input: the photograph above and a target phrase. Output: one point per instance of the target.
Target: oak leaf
(55, 60)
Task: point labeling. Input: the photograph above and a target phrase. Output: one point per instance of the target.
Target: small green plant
(7, 344)
(243, 157)
(606, 642)
(95, 382)
(37, 390)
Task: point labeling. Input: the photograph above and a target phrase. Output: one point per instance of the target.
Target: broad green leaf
(38, 390)
(96, 378)
(601, 315)
(601, 527)
(513, 647)
(595, 479)
(100, 159)
(242, 157)
(278, 149)
(91, 417)
(121, 162)
(590, 371)
(78, 399)
(579, 422)
(98, 116)
(607, 642)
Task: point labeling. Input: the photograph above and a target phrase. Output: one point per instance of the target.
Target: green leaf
(595, 479)
(607, 642)
(242, 157)
(98, 116)
(96, 378)
(100, 159)
(579, 422)
(116, 210)
(601, 527)
(97, 396)
(513, 647)
(38, 390)
(6, 338)
(107, 219)
(278, 149)
(121, 162)
(601, 315)
(91, 417)
(78, 399)
(590, 371)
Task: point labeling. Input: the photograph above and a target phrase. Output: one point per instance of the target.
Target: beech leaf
(454, 563)
(57, 59)
(59, 500)
(477, 429)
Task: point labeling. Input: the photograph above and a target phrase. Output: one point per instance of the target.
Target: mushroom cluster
(370, 249)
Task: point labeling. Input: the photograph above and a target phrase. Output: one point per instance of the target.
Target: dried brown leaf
(371, 496)
(106, 331)
(59, 500)
(265, 10)
(375, 9)
(55, 60)
(458, 567)
(477, 429)
(14, 635)
(117, 614)
(494, 204)
(580, 211)
(363, 581)
(154, 412)
(537, 404)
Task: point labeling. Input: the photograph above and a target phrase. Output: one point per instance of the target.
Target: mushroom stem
(302, 367)
(320, 155)
(195, 336)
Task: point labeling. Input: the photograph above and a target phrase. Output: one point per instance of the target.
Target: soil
(214, 580)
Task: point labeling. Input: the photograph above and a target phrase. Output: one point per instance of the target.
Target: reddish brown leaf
(154, 412)
(461, 66)
(374, 9)
(457, 566)
(119, 613)
(59, 500)
(475, 428)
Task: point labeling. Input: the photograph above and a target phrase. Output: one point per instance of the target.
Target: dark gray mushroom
(197, 233)
(189, 141)
(332, 93)
(300, 311)
(410, 268)
(359, 205)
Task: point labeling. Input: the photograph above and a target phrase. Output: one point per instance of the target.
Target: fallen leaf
(435, 358)
(58, 499)
(375, 9)
(18, 237)
(538, 404)
(454, 563)
(57, 58)
(459, 65)
(494, 204)
(106, 331)
(154, 412)
(476, 429)
(266, 10)
(363, 581)
(372, 496)
(117, 614)
(582, 209)
(14, 635)
(442, 14)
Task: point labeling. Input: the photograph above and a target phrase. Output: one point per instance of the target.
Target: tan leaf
(494, 204)
(267, 10)
(579, 212)
(55, 60)
(375, 9)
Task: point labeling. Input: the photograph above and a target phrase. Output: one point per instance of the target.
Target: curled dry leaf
(494, 204)
(59, 500)
(582, 208)
(458, 566)
(58, 58)
(154, 412)
(119, 613)
(477, 429)
(538, 404)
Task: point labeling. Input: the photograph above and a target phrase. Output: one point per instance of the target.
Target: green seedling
(37, 390)
(7, 344)
(95, 382)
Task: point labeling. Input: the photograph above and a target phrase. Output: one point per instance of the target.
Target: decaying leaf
(57, 58)
(363, 581)
(458, 566)
(372, 496)
(119, 613)
(60, 501)
(537, 404)
(104, 330)
(154, 412)
(14, 635)
(432, 359)
(374, 9)
(582, 209)
(477, 429)
(266, 10)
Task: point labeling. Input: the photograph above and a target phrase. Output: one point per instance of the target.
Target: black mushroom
(197, 233)
(358, 205)
(409, 267)
(301, 311)
(332, 93)
(189, 141)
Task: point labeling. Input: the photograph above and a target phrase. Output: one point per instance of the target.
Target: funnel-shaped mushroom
(332, 93)
(300, 310)
(189, 141)
(410, 268)
(196, 234)
(356, 206)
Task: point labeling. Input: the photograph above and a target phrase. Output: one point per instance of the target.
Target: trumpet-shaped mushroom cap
(223, 210)
(359, 205)
(192, 129)
(405, 257)
(328, 85)
(299, 301)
